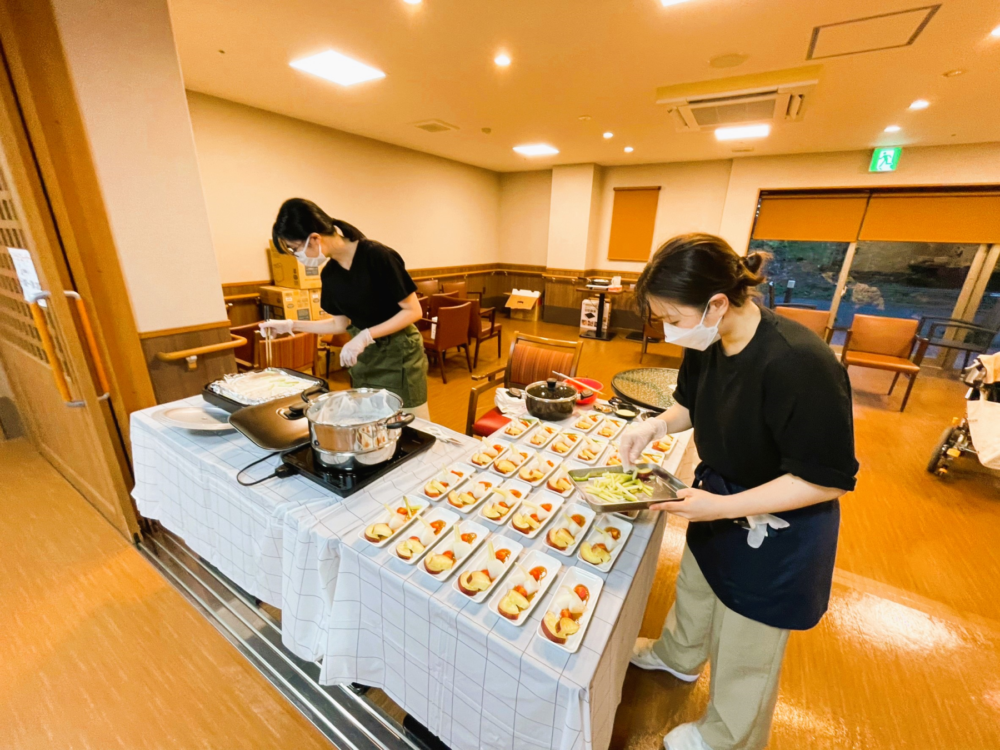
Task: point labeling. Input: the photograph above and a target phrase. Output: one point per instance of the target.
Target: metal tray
(224, 402)
(665, 486)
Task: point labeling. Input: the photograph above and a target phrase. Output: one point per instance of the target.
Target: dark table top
(649, 387)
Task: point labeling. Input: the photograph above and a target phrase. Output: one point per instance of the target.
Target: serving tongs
(664, 485)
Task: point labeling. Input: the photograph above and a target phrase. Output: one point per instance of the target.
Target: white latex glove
(759, 525)
(636, 437)
(271, 329)
(353, 348)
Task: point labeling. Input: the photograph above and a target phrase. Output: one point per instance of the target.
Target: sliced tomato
(502, 555)
(538, 573)
(581, 591)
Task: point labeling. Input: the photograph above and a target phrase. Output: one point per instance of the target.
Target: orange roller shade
(632, 220)
(828, 218)
(965, 217)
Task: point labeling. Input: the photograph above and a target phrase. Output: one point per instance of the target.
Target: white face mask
(700, 337)
(304, 259)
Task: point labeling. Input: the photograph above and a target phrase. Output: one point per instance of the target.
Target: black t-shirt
(780, 406)
(370, 292)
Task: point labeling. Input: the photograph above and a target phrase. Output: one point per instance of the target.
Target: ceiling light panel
(742, 132)
(502, 60)
(668, 3)
(338, 68)
(920, 104)
(536, 149)
(609, 134)
(893, 129)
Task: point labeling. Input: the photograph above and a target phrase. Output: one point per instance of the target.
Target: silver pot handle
(400, 421)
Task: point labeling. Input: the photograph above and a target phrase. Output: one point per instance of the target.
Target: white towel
(759, 525)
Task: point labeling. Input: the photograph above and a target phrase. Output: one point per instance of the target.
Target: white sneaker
(685, 737)
(644, 658)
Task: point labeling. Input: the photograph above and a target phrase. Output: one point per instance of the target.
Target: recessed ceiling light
(893, 129)
(667, 3)
(413, 2)
(742, 131)
(536, 149)
(629, 149)
(920, 104)
(502, 60)
(338, 68)
(584, 118)
(609, 134)
(953, 73)
(995, 32)
(729, 61)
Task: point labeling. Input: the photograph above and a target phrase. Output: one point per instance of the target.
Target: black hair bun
(753, 262)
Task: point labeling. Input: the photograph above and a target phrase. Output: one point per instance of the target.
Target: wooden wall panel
(247, 310)
(172, 380)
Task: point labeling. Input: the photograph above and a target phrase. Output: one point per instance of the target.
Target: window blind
(829, 218)
(933, 217)
(632, 221)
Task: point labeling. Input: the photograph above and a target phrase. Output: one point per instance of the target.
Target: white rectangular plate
(526, 422)
(670, 439)
(419, 504)
(470, 486)
(448, 543)
(478, 562)
(566, 436)
(523, 454)
(434, 514)
(544, 432)
(592, 419)
(560, 472)
(533, 559)
(513, 501)
(604, 521)
(612, 426)
(444, 475)
(652, 457)
(554, 500)
(572, 578)
(547, 464)
(499, 445)
(570, 510)
(602, 447)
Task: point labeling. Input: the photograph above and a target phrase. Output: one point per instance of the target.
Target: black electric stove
(344, 483)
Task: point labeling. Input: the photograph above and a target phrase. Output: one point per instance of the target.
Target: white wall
(569, 215)
(128, 85)
(435, 212)
(525, 199)
(936, 165)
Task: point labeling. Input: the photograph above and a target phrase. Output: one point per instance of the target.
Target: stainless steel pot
(550, 399)
(344, 446)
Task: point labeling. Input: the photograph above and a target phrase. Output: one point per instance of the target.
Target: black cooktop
(344, 483)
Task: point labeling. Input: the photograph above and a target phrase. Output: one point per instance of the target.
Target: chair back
(442, 300)
(291, 352)
(458, 288)
(452, 326)
(892, 337)
(533, 358)
(245, 353)
(652, 328)
(815, 320)
(428, 287)
(475, 322)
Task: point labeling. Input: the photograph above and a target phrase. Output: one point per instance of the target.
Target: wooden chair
(452, 331)
(532, 358)
(428, 287)
(460, 290)
(297, 352)
(332, 344)
(483, 326)
(437, 301)
(245, 354)
(891, 344)
(815, 320)
(961, 335)
(652, 329)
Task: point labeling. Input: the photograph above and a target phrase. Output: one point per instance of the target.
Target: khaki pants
(745, 656)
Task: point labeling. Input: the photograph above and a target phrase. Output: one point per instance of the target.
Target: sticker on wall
(24, 267)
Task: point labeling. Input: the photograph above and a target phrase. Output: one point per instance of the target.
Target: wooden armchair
(460, 290)
(452, 331)
(437, 301)
(652, 330)
(532, 358)
(957, 334)
(816, 321)
(891, 344)
(428, 287)
(298, 352)
(244, 354)
(483, 326)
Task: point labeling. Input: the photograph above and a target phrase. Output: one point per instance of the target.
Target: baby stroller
(978, 434)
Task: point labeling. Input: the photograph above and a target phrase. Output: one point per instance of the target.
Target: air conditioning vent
(435, 126)
(769, 97)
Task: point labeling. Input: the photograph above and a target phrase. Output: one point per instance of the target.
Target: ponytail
(298, 218)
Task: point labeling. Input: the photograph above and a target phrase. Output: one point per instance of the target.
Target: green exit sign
(885, 159)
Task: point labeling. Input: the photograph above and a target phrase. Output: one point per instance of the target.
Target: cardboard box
(525, 304)
(316, 312)
(286, 271)
(588, 315)
(285, 304)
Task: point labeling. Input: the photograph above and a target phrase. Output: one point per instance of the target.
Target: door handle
(45, 336)
(95, 352)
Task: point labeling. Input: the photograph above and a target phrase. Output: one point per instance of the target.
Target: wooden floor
(98, 651)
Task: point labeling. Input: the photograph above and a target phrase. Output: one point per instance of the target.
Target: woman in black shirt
(369, 294)
(771, 410)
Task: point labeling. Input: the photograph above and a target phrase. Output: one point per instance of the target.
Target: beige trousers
(745, 656)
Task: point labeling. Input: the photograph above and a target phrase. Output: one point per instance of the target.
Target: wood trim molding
(229, 286)
(185, 329)
(650, 187)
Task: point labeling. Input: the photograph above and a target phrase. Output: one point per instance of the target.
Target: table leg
(598, 333)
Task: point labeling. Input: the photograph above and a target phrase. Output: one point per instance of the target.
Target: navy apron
(784, 583)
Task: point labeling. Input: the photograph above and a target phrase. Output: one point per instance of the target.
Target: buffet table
(471, 677)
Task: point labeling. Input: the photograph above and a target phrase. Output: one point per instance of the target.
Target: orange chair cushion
(880, 362)
(486, 328)
(814, 320)
(489, 423)
(878, 335)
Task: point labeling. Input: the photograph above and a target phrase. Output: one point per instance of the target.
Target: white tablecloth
(472, 678)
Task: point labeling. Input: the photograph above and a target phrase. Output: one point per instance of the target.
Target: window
(803, 273)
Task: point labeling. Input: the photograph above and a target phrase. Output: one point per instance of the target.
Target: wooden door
(45, 340)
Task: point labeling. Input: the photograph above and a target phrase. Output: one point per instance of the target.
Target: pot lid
(353, 407)
(551, 390)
